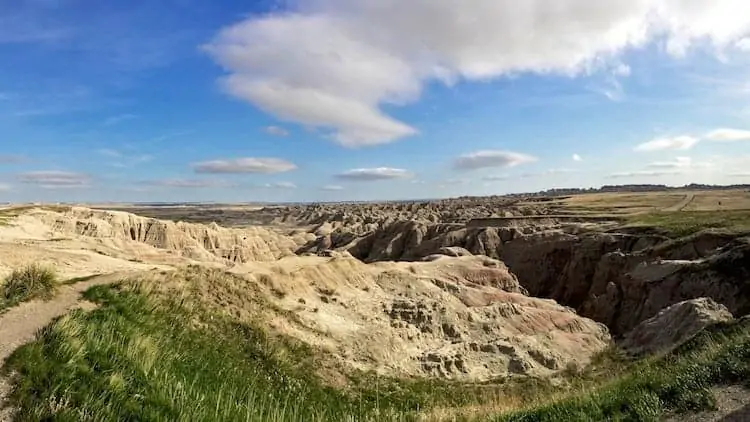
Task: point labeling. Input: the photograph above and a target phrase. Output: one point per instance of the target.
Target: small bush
(30, 282)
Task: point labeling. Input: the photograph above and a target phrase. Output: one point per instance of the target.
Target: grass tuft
(31, 282)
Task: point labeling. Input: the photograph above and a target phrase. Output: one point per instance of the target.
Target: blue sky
(309, 100)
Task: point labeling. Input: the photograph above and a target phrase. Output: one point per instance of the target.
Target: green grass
(30, 282)
(146, 356)
(679, 382)
(685, 223)
(135, 358)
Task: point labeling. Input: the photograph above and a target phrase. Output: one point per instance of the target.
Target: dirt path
(682, 204)
(20, 324)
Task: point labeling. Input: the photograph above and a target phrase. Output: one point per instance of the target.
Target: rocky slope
(455, 315)
(674, 326)
(463, 318)
(619, 278)
(197, 241)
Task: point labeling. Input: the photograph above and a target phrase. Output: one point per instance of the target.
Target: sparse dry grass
(685, 223)
(649, 202)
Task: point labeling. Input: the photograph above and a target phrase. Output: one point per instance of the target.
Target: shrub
(30, 282)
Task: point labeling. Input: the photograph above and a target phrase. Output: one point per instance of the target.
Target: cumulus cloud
(372, 174)
(245, 165)
(187, 183)
(334, 63)
(332, 188)
(643, 173)
(276, 131)
(55, 179)
(664, 144)
(728, 135)
(489, 158)
(577, 157)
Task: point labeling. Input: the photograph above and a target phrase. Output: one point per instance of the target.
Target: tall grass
(133, 359)
(678, 382)
(139, 357)
(31, 282)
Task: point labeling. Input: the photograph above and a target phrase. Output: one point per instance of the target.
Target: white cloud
(743, 44)
(332, 188)
(621, 70)
(281, 185)
(379, 173)
(245, 165)
(276, 131)
(489, 158)
(4, 187)
(54, 179)
(187, 183)
(681, 163)
(643, 173)
(577, 157)
(728, 135)
(663, 144)
(334, 63)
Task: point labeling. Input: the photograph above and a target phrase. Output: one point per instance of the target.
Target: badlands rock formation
(619, 277)
(456, 315)
(674, 326)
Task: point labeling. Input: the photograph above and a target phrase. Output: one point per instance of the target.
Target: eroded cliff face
(619, 278)
(622, 280)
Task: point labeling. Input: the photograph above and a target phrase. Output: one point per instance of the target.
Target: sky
(330, 100)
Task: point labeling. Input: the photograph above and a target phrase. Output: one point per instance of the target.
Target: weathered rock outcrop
(202, 242)
(674, 325)
(621, 280)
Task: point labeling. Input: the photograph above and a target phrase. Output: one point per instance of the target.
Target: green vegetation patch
(137, 359)
(679, 382)
(685, 223)
(30, 282)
